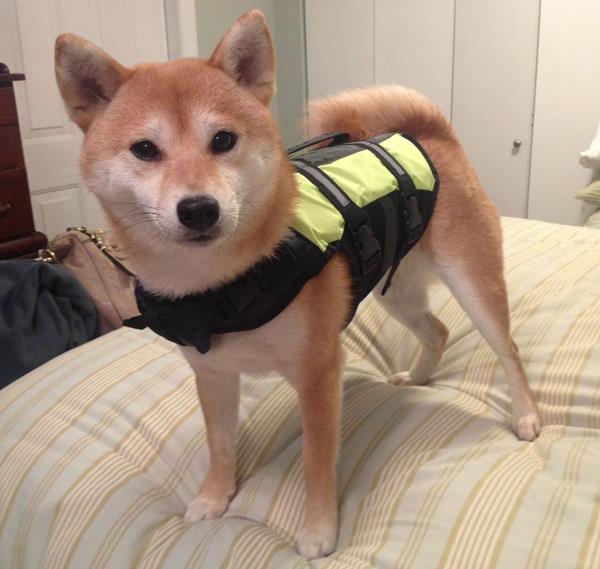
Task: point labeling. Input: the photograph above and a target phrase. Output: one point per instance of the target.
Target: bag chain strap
(49, 256)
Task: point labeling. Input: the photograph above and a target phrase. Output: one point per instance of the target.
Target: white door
(495, 51)
(132, 31)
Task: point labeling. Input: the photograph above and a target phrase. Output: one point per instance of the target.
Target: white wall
(291, 67)
(286, 21)
(215, 17)
(339, 46)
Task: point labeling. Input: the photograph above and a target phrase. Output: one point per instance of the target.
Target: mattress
(103, 447)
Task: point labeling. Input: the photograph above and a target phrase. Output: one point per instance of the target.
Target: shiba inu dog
(189, 167)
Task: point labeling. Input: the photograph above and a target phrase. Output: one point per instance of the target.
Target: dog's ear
(246, 54)
(87, 77)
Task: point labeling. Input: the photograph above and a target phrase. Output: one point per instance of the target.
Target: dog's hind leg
(477, 281)
(482, 294)
(407, 301)
(464, 241)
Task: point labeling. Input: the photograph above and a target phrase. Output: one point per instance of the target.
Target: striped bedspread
(102, 448)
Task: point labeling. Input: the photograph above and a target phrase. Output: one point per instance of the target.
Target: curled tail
(371, 111)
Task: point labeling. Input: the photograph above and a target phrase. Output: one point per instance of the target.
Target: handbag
(101, 268)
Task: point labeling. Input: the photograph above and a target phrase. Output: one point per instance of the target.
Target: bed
(102, 448)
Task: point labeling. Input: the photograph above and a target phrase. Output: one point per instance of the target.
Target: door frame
(181, 28)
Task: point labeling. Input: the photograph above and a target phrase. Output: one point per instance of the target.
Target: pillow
(593, 220)
(590, 194)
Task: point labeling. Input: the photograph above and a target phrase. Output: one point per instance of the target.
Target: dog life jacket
(369, 200)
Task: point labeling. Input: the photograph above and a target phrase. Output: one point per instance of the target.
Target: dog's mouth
(202, 238)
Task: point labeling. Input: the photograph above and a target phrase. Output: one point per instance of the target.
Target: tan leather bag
(101, 268)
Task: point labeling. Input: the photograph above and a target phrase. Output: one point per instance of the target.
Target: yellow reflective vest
(369, 200)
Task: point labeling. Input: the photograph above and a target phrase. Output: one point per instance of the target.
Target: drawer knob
(5, 208)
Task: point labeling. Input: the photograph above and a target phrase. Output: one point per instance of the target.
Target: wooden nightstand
(18, 237)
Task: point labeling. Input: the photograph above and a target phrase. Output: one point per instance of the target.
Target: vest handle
(335, 137)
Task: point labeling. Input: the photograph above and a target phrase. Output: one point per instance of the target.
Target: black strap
(411, 219)
(248, 302)
(356, 218)
(328, 187)
(389, 215)
(138, 322)
(335, 137)
(406, 186)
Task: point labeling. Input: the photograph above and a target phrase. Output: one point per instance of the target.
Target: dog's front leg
(219, 397)
(318, 384)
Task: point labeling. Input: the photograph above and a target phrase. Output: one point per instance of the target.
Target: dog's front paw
(206, 508)
(405, 378)
(316, 541)
(528, 426)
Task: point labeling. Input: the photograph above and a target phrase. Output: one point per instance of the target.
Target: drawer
(15, 207)
(8, 107)
(23, 247)
(11, 153)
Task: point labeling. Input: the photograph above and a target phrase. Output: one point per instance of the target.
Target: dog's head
(185, 151)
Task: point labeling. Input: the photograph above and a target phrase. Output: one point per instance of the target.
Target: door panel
(413, 46)
(493, 94)
(55, 210)
(38, 27)
(132, 31)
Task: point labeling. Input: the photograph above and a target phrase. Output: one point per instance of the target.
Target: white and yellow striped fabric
(102, 448)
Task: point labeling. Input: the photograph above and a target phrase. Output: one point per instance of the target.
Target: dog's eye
(145, 150)
(223, 141)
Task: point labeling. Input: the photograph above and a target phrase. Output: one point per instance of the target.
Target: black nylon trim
(243, 304)
(325, 185)
(391, 231)
(335, 137)
(276, 297)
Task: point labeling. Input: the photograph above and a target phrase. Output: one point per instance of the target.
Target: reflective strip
(316, 217)
(330, 187)
(361, 176)
(404, 180)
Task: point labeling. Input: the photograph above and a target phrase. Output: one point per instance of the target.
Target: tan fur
(179, 106)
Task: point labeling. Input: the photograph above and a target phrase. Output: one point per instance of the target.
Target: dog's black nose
(198, 213)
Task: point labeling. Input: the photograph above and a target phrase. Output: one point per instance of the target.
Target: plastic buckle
(370, 251)
(201, 340)
(416, 221)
